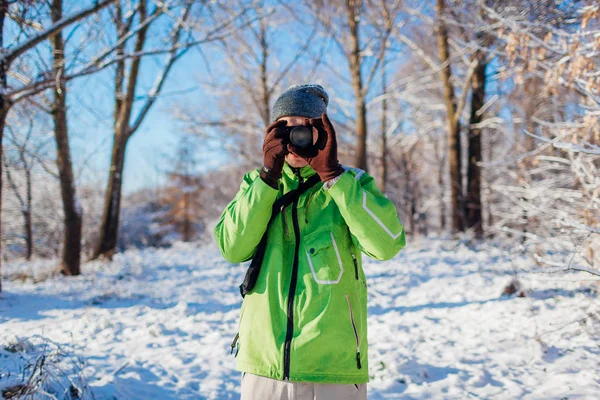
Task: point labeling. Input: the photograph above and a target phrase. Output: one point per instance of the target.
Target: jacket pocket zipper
(355, 332)
(235, 344)
(355, 264)
(356, 274)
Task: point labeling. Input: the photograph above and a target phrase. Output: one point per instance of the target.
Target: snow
(158, 323)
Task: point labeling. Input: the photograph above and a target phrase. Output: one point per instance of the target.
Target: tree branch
(12, 54)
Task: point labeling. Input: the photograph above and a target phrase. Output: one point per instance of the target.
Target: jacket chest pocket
(323, 256)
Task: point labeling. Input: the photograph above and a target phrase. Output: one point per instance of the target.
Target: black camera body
(301, 138)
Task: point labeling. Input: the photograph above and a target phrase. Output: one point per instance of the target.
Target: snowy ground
(158, 324)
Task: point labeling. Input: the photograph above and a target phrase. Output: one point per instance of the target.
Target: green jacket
(320, 333)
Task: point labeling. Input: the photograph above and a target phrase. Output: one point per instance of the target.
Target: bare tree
(383, 16)
(259, 68)
(473, 218)
(71, 253)
(127, 122)
(31, 177)
(353, 12)
(474, 208)
(122, 130)
(453, 111)
(9, 95)
(25, 163)
(363, 47)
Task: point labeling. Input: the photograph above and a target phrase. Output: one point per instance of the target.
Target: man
(303, 323)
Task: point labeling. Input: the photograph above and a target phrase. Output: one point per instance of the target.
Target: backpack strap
(279, 205)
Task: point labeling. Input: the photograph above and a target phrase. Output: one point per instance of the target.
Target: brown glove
(274, 151)
(325, 162)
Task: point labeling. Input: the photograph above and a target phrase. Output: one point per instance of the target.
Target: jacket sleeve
(245, 219)
(371, 217)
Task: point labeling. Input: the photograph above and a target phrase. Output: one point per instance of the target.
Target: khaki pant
(256, 387)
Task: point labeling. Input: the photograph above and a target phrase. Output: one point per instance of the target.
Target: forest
(475, 117)
(127, 125)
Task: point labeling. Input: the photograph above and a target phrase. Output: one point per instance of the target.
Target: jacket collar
(305, 172)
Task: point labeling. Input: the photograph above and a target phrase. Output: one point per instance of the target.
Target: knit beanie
(307, 100)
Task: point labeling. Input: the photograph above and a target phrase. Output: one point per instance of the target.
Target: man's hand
(325, 162)
(274, 151)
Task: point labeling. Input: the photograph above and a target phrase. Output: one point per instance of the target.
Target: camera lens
(301, 136)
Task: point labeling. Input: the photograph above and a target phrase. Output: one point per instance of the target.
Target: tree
(383, 17)
(260, 65)
(184, 192)
(11, 95)
(348, 30)
(126, 121)
(479, 58)
(549, 54)
(122, 129)
(353, 11)
(453, 111)
(25, 163)
(29, 207)
(71, 251)
(473, 217)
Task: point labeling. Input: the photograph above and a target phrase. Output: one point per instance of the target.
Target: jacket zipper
(292, 291)
(355, 332)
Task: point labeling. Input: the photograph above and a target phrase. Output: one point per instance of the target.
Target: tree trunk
(24, 203)
(383, 135)
(442, 200)
(361, 135)
(109, 229)
(3, 113)
(353, 13)
(71, 252)
(489, 198)
(112, 201)
(188, 230)
(265, 95)
(27, 216)
(28, 234)
(413, 214)
(120, 65)
(453, 122)
(408, 197)
(440, 182)
(474, 218)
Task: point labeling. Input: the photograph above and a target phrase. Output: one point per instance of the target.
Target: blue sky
(91, 103)
(90, 108)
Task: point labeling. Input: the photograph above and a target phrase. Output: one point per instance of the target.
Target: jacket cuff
(268, 178)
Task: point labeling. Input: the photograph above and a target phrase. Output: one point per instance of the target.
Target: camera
(301, 136)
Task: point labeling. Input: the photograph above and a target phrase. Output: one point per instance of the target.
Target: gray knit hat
(307, 100)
